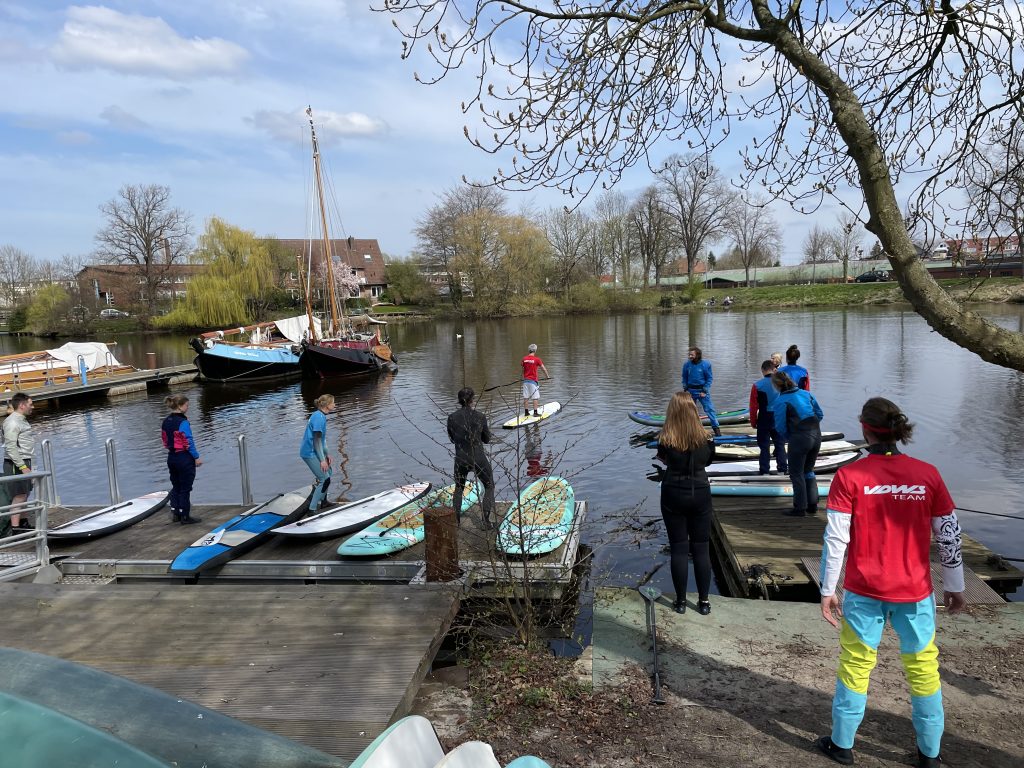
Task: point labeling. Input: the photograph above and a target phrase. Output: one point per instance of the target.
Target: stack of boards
(824, 464)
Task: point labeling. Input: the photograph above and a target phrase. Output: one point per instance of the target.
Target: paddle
(257, 508)
(650, 594)
(93, 514)
(499, 386)
(334, 510)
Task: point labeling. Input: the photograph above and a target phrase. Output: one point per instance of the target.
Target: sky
(208, 99)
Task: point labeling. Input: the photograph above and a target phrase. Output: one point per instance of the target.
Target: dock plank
(326, 665)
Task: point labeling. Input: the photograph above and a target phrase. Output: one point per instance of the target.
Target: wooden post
(151, 360)
(441, 530)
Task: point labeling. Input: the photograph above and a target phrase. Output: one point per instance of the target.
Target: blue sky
(208, 99)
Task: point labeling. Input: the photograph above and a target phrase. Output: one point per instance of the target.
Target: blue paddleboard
(737, 416)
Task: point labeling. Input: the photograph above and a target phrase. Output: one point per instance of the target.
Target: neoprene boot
(175, 515)
(923, 761)
(840, 755)
(718, 432)
(189, 520)
(794, 513)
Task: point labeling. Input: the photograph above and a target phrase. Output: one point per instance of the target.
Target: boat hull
(327, 359)
(239, 364)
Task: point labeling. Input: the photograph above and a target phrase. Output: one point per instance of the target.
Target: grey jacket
(19, 442)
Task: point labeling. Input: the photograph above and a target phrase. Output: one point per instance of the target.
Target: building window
(376, 291)
(368, 257)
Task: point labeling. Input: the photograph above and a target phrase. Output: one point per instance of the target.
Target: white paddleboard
(470, 754)
(409, 743)
(110, 519)
(823, 464)
(546, 412)
(354, 516)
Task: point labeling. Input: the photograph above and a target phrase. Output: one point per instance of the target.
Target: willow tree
(234, 287)
(838, 95)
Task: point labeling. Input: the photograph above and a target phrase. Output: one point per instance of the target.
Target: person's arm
(682, 376)
(807, 381)
(946, 530)
(544, 368)
(779, 412)
(485, 433)
(837, 537)
(11, 434)
(451, 431)
(711, 449)
(753, 406)
(817, 408)
(186, 429)
(709, 377)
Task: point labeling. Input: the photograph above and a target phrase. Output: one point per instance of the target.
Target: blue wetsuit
(181, 462)
(697, 380)
(313, 451)
(798, 374)
(762, 395)
(798, 421)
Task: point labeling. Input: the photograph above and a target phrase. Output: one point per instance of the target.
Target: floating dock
(762, 551)
(111, 386)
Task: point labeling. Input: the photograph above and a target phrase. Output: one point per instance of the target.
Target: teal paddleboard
(760, 489)
(403, 528)
(540, 520)
(738, 416)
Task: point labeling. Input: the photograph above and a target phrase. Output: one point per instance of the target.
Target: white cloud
(75, 138)
(330, 126)
(123, 119)
(95, 37)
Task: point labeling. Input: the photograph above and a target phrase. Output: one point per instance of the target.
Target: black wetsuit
(686, 509)
(468, 430)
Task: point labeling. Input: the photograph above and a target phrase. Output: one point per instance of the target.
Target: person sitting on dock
(797, 373)
(313, 450)
(468, 430)
(798, 422)
(531, 386)
(697, 378)
(762, 395)
(885, 509)
(182, 458)
(19, 443)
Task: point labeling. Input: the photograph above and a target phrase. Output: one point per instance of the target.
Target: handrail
(243, 464)
(50, 486)
(37, 509)
(115, 489)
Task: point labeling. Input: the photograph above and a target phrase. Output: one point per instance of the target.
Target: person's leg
(461, 473)
(781, 461)
(485, 475)
(764, 441)
(318, 488)
(863, 622)
(699, 529)
(709, 409)
(187, 475)
(915, 625)
(175, 496)
(810, 479)
(9, 470)
(798, 447)
(675, 525)
(527, 391)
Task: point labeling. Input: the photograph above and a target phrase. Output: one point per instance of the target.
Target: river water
(390, 430)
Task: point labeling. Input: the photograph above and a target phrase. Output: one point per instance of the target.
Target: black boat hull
(239, 371)
(321, 361)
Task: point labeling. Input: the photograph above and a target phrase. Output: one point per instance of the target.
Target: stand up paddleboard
(761, 486)
(744, 452)
(546, 412)
(824, 465)
(410, 743)
(540, 520)
(649, 419)
(348, 518)
(403, 528)
(110, 519)
(241, 533)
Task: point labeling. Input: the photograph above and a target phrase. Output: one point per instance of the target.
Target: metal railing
(243, 465)
(37, 512)
(115, 488)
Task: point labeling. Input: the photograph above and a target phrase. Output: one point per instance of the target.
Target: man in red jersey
(531, 387)
(886, 508)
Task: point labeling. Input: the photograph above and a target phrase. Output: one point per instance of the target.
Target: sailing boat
(342, 350)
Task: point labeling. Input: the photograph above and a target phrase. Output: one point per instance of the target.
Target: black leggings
(687, 516)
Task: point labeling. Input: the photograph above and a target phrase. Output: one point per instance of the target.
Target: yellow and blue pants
(864, 619)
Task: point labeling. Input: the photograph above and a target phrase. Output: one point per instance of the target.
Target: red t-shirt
(530, 365)
(892, 500)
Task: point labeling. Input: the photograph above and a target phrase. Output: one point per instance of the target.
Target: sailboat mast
(304, 285)
(332, 297)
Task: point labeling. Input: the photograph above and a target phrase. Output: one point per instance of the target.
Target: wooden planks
(752, 537)
(326, 665)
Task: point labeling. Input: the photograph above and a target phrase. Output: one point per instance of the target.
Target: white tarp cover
(94, 353)
(293, 328)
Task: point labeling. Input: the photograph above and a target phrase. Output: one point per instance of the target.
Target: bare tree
(653, 232)
(844, 241)
(816, 249)
(17, 268)
(699, 199)
(568, 233)
(755, 234)
(437, 231)
(611, 216)
(145, 232)
(996, 188)
(852, 94)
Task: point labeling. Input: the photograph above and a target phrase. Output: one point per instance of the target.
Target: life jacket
(174, 440)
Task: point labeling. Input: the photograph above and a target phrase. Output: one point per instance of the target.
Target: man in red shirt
(531, 387)
(886, 508)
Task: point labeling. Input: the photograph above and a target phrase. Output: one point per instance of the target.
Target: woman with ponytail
(182, 458)
(885, 510)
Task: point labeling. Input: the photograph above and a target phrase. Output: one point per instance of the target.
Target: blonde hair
(323, 401)
(776, 359)
(683, 430)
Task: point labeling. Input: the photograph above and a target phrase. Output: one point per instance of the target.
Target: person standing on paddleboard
(313, 450)
(797, 373)
(468, 430)
(685, 448)
(182, 458)
(798, 422)
(531, 387)
(885, 509)
(762, 395)
(697, 380)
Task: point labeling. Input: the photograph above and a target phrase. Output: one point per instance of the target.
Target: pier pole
(115, 490)
(243, 466)
(441, 530)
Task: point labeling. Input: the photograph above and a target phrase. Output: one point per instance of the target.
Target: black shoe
(704, 607)
(679, 606)
(527, 414)
(840, 755)
(536, 413)
(794, 513)
(812, 510)
(923, 761)
(24, 525)
(718, 432)
(189, 520)
(175, 516)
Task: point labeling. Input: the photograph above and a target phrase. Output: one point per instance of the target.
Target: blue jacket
(798, 374)
(796, 410)
(697, 377)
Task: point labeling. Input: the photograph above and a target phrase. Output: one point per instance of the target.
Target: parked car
(873, 276)
(111, 312)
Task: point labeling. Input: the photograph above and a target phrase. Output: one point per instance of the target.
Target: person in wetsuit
(883, 512)
(798, 422)
(796, 372)
(468, 430)
(182, 458)
(313, 450)
(762, 395)
(686, 497)
(697, 378)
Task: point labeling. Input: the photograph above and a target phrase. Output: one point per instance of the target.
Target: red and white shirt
(530, 365)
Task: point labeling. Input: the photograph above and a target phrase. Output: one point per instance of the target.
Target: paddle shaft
(500, 386)
(93, 514)
(650, 594)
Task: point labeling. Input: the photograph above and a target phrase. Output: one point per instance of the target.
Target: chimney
(167, 251)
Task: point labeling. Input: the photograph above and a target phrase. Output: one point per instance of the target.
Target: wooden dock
(760, 551)
(329, 666)
(113, 385)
